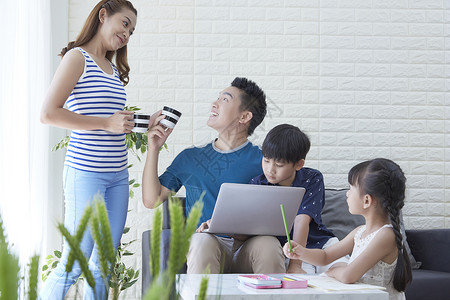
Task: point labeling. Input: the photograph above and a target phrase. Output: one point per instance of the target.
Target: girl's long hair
(90, 28)
(384, 180)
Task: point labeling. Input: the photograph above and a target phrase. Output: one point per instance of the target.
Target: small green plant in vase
(122, 277)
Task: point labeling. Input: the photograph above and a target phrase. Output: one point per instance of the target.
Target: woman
(92, 88)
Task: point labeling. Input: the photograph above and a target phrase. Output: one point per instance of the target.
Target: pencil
(285, 227)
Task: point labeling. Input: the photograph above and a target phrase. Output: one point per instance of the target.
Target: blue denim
(79, 190)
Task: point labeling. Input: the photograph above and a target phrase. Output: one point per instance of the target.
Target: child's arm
(382, 247)
(319, 257)
(300, 236)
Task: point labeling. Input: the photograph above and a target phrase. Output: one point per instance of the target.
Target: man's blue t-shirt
(206, 168)
(312, 205)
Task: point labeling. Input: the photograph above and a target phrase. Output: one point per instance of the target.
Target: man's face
(225, 111)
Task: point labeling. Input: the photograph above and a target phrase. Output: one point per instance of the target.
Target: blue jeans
(79, 189)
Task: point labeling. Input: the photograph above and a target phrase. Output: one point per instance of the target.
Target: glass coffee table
(227, 287)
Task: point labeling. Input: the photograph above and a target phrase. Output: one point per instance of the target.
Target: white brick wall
(363, 78)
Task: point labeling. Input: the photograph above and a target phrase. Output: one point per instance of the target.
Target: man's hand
(157, 134)
(241, 237)
(295, 267)
(203, 226)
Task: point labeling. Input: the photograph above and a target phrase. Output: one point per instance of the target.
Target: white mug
(172, 117)
(141, 123)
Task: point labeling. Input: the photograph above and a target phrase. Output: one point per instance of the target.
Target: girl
(377, 191)
(92, 88)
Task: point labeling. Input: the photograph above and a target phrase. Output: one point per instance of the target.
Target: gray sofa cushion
(340, 221)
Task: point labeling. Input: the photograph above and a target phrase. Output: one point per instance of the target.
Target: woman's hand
(203, 226)
(120, 122)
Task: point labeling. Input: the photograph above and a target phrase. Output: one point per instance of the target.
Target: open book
(326, 283)
(272, 281)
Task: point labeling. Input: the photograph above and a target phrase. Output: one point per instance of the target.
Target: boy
(284, 151)
(235, 114)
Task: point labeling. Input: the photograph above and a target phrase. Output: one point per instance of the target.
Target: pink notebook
(272, 281)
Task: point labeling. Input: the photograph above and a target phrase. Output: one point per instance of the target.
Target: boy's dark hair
(384, 180)
(253, 99)
(287, 143)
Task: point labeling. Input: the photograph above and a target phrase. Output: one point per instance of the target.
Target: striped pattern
(101, 95)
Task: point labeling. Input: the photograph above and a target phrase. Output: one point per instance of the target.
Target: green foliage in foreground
(10, 271)
(114, 273)
(163, 285)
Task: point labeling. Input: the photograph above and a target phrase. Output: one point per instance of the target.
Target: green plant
(136, 141)
(117, 275)
(163, 284)
(155, 239)
(97, 217)
(10, 270)
(51, 263)
(62, 143)
(33, 274)
(123, 277)
(203, 288)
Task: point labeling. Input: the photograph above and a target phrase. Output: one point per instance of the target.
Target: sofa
(429, 250)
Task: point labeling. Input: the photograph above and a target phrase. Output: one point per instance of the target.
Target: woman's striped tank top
(96, 94)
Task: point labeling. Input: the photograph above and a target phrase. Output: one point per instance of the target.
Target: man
(231, 157)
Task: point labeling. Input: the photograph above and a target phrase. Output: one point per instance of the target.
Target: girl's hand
(297, 250)
(120, 122)
(157, 134)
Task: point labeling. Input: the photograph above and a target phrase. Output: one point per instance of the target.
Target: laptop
(254, 209)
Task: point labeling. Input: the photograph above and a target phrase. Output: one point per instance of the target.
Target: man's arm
(152, 190)
(300, 235)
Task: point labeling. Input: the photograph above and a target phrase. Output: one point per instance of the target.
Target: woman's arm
(381, 247)
(64, 80)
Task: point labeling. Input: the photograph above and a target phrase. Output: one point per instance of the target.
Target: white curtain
(24, 152)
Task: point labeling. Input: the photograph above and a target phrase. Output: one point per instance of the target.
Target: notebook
(254, 209)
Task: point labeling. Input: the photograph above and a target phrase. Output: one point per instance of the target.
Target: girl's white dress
(381, 273)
